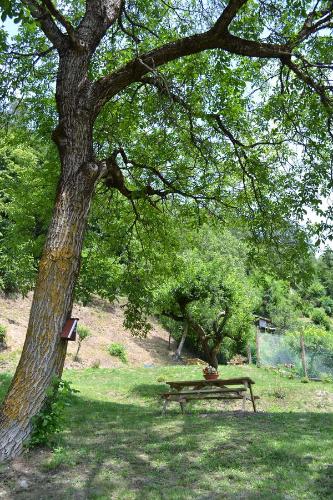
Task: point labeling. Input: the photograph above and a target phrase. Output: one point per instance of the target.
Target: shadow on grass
(128, 451)
(149, 390)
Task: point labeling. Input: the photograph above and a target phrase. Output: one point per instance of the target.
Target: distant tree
(281, 303)
(83, 333)
(205, 288)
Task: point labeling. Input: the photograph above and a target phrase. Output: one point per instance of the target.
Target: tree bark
(44, 351)
(213, 361)
(182, 341)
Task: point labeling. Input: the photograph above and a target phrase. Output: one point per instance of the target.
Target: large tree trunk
(212, 358)
(44, 351)
(211, 352)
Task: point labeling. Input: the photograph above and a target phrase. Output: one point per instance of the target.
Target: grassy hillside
(105, 322)
(117, 445)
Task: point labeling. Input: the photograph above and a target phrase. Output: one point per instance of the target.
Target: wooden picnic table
(188, 390)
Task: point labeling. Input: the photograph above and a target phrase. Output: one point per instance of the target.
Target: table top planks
(204, 383)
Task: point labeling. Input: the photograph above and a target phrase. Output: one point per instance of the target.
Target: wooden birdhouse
(69, 330)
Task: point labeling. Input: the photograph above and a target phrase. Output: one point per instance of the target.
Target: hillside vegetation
(105, 322)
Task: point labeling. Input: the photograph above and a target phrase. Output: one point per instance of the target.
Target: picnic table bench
(188, 390)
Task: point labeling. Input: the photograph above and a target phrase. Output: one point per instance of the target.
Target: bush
(3, 334)
(118, 350)
(327, 304)
(50, 420)
(319, 317)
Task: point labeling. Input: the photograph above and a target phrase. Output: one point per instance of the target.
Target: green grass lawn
(117, 445)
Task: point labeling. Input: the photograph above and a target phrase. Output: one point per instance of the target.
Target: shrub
(279, 393)
(83, 333)
(319, 317)
(326, 378)
(327, 304)
(118, 350)
(50, 420)
(3, 334)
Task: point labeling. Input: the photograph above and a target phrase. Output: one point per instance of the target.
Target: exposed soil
(105, 321)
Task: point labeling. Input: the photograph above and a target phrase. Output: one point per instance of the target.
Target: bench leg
(182, 406)
(253, 400)
(244, 396)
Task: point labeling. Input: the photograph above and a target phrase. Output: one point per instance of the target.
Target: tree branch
(114, 178)
(43, 16)
(218, 37)
(310, 82)
(171, 315)
(58, 16)
(227, 16)
(100, 15)
(107, 87)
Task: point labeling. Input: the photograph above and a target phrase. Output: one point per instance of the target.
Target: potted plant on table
(210, 373)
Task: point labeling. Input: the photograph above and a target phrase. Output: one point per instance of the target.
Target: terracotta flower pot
(211, 376)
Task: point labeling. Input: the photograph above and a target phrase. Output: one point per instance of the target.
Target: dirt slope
(104, 320)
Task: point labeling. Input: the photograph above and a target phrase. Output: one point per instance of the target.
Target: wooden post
(258, 346)
(303, 356)
(249, 354)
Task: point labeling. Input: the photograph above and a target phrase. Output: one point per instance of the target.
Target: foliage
(318, 343)
(118, 350)
(325, 271)
(3, 333)
(315, 337)
(281, 303)
(201, 279)
(51, 419)
(83, 333)
(319, 317)
(27, 187)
